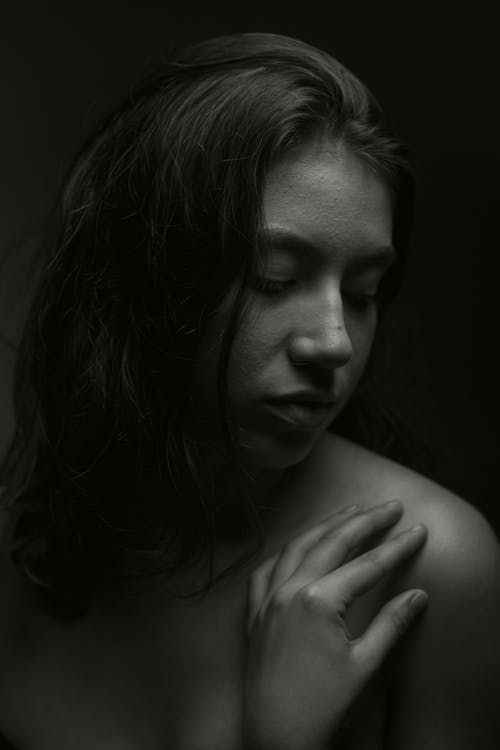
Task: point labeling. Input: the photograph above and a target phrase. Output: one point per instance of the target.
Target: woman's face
(301, 350)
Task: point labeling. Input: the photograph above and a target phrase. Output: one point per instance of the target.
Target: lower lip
(300, 414)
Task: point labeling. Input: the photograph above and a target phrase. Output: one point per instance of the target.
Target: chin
(277, 452)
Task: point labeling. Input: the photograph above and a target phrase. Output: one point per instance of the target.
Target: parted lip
(305, 397)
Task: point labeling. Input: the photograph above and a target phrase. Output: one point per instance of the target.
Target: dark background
(435, 69)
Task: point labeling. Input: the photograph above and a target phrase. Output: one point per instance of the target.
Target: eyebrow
(285, 239)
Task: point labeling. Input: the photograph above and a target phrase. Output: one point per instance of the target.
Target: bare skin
(155, 672)
(151, 671)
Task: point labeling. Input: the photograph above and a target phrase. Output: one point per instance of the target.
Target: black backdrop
(434, 67)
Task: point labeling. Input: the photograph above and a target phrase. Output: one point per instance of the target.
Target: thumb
(386, 629)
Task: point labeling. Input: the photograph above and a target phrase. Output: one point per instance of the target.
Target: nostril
(331, 350)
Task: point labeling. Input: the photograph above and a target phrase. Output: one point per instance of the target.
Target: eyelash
(272, 286)
(275, 287)
(363, 301)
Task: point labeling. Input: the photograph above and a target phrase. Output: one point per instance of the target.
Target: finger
(364, 572)
(387, 628)
(314, 555)
(338, 544)
(294, 551)
(277, 568)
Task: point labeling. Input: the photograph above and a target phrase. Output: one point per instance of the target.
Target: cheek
(362, 338)
(261, 339)
(252, 350)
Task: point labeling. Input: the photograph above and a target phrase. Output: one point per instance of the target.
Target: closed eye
(272, 286)
(362, 300)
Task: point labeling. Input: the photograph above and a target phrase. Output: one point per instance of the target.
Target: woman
(183, 566)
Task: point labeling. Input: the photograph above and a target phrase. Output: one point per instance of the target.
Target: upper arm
(444, 678)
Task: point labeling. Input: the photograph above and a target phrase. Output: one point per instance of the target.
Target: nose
(322, 338)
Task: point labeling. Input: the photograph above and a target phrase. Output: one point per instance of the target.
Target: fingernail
(418, 600)
(416, 529)
(392, 504)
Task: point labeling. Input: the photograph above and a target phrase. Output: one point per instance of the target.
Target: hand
(303, 670)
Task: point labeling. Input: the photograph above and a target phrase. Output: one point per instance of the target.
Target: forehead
(323, 192)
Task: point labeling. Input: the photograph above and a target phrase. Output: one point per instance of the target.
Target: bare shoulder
(462, 546)
(444, 676)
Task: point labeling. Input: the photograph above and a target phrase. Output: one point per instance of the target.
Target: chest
(175, 682)
(142, 683)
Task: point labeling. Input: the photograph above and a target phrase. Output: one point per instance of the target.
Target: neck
(233, 489)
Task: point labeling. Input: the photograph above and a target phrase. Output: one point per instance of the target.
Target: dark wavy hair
(161, 212)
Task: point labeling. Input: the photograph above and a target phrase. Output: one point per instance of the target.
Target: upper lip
(310, 397)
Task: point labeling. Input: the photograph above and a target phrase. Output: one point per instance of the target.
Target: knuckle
(361, 529)
(332, 534)
(338, 537)
(350, 536)
(374, 560)
(332, 538)
(310, 599)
